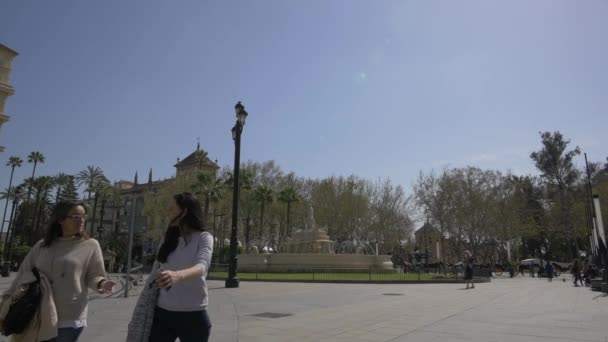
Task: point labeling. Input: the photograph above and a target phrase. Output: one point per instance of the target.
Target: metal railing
(343, 274)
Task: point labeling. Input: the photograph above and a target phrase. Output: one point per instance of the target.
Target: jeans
(191, 326)
(67, 335)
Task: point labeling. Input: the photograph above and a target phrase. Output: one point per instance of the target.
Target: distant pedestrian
(468, 269)
(549, 271)
(576, 272)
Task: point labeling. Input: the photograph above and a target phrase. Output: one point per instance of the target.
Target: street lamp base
(232, 283)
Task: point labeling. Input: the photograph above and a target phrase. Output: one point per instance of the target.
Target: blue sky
(372, 88)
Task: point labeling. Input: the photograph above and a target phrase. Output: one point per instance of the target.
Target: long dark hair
(193, 220)
(60, 213)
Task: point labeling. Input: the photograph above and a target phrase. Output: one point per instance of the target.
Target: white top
(77, 324)
(190, 294)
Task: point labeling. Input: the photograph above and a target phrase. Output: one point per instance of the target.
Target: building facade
(6, 59)
(115, 217)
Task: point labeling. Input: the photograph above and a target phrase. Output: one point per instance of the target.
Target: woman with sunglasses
(184, 257)
(73, 263)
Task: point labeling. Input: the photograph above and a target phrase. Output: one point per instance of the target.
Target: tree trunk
(57, 194)
(101, 214)
(288, 218)
(41, 214)
(30, 238)
(206, 210)
(10, 183)
(94, 214)
(262, 219)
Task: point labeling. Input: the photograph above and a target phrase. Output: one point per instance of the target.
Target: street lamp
(133, 204)
(237, 130)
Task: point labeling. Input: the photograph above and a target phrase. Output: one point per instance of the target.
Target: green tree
(559, 174)
(43, 186)
(35, 157)
(200, 156)
(107, 194)
(156, 202)
(101, 190)
(13, 162)
(209, 188)
(263, 195)
(61, 182)
(91, 177)
(288, 196)
(70, 191)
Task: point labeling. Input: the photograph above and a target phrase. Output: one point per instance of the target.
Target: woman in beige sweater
(73, 263)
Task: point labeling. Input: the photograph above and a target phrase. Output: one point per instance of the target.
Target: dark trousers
(67, 335)
(191, 326)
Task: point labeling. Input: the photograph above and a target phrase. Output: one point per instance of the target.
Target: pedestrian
(549, 271)
(576, 272)
(73, 263)
(184, 258)
(468, 269)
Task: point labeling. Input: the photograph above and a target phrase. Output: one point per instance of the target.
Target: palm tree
(200, 156)
(61, 181)
(43, 185)
(35, 157)
(8, 193)
(210, 188)
(105, 192)
(99, 189)
(263, 194)
(13, 162)
(288, 195)
(90, 178)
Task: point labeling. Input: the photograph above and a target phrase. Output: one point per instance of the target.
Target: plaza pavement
(520, 309)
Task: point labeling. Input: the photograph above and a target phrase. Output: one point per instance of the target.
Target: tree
(210, 188)
(35, 157)
(13, 162)
(41, 186)
(263, 194)
(69, 192)
(90, 178)
(100, 189)
(61, 181)
(105, 192)
(559, 174)
(200, 156)
(156, 201)
(288, 195)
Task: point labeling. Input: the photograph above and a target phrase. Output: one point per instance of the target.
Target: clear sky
(374, 88)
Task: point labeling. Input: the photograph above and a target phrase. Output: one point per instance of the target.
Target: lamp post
(133, 203)
(6, 266)
(237, 130)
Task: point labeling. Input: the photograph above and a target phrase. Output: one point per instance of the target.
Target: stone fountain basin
(289, 262)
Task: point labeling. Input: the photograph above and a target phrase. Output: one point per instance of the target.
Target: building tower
(6, 59)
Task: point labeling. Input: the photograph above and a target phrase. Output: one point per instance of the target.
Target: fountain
(311, 248)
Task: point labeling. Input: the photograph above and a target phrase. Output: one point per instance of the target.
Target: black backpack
(21, 313)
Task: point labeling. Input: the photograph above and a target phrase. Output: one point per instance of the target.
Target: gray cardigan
(140, 325)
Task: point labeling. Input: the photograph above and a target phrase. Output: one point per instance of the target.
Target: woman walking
(549, 271)
(73, 263)
(184, 257)
(468, 269)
